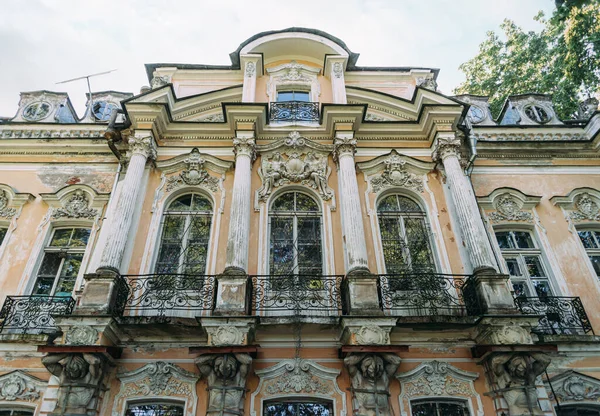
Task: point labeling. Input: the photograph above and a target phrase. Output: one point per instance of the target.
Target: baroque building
(295, 234)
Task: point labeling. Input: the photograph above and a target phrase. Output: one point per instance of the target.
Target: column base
(101, 293)
(360, 292)
(233, 293)
(493, 292)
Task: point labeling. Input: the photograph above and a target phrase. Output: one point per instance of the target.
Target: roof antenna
(87, 78)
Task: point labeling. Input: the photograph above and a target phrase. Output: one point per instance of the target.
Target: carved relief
(575, 387)
(297, 160)
(195, 174)
(159, 81)
(81, 335)
(5, 211)
(214, 118)
(508, 208)
(250, 69)
(293, 74)
(76, 206)
(374, 117)
(428, 83)
(18, 386)
(297, 380)
(226, 335)
(395, 174)
(372, 335)
(587, 208)
(338, 70)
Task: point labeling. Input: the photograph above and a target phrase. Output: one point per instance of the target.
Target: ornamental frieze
(19, 386)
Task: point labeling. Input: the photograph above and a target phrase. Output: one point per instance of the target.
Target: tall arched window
(405, 236)
(295, 231)
(185, 236)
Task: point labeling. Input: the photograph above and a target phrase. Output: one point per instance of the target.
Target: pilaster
(251, 66)
(335, 67)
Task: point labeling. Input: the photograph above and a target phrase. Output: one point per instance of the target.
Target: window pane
(596, 263)
(534, 268)
(2, 234)
(168, 259)
(310, 258)
(43, 285)
(80, 237)
(154, 410)
(424, 409)
(305, 203)
(513, 267)
(284, 203)
(280, 409)
(407, 205)
(282, 246)
(389, 203)
(183, 203)
(15, 412)
(523, 239)
(313, 409)
(173, 227)
(61, 237)
(452, 409)
(520, 289)
(393, 245)
(71, 265)
(285, 96)
(587, 238)
(542, 288)
(504, 240)
(418, 244)
(301, 96)
(201, 204)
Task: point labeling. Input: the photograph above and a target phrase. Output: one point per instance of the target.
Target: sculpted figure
(80, 377)
(272, 175)
(226, 375)
(516, 374)
(370, 374)
(317, 174)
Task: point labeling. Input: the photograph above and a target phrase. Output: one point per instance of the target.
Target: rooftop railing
(33, 314)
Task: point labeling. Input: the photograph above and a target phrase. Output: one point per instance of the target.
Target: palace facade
(295, 234)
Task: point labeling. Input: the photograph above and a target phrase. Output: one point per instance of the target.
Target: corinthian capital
(245, 146)
(144, 146)
(344, 146)
(446, 145)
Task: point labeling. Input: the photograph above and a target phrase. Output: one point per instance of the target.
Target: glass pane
(310, 258)
(284, 203)
(418, 244)
(313, 409)
(305, 203)
(587, 238)
(2, 234)
(183, 203)
(424, 409)
(168, 258)
(282, 245)
(43, 286)
(504, 240)
(15, 412)
(80, 237)
(301, 96)
(71, 265)
(523, 239)
(280, 409)
(61, 237)
(285, 96)
(201, 203)
(173, 227)
(534, 268)
(389, 203)
(542, 288)
(513, 267)
(407, 205)
(596, 263)
(520, 289)
(154, 410)
(50, 265)
(452, 409)
(393, 244)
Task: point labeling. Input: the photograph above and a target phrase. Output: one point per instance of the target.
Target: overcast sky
(44, 41)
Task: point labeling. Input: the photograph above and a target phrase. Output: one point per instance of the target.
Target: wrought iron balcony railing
(560, 315)
(160, 294)
(428, 294)
(296, 295)
(33, 314)
(294, 111)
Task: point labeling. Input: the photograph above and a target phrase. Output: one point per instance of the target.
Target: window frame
(595, 252)
(47, 248)
(157, 401)
(293, 91)
(294, 215)
(442, 400)
(210, 213)
(299, 400)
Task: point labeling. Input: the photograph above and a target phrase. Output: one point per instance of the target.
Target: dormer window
(36, 111)
(537, 114)
(293, 95)
(103, 110)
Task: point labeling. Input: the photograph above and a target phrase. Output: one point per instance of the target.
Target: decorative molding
(375, 117)
(344, 146)
(157, 380)
(580, 205)
(76, 206)
(250, 69)
(245, 146)
(20, 386)
(194, 174)
(429, 83)
(159, 81)
(293, 74)
(75, 202)
(11, 201)
(298, 377)
(446, 145)
(438, 378)
(572, 386)
(509, 205)
(213, 118)
(372, 335)
(142, 145)
(525, 136)
(225, 335)
(81, 335)
(295, 159)
(10, 132)
(338, 69)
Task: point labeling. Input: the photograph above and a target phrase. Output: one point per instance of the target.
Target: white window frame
(591, 251)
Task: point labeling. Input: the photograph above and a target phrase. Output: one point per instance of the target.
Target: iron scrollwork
(159, 293)
(33, 314)
(301, 294)
(561, 315)
(294, 111)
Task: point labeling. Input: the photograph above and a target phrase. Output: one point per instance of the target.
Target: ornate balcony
(428, 294)
(296, 295)
(294, 111)
(33, 314)
(560, 315)
(165, 294)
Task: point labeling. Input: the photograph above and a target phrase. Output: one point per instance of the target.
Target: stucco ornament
(428, 83)
(144, 146)
(372, 335)
(250, 69)
(81, 335)
(16, 386)
(516, 375)
(374, 117)
(80, 381)
(296, 161)
(227, 335)
(245, 146)
(576, 387)
(159, 81)
(157, 379)
(5, 212)
(226, 377)
(213, 118)
(587, 208)
(338, 70)
(344, 146)
(395, 174)
(508, 208)
(76, 206)
(297, 379)
(195, 174)
(446, 146)
(293, 73)
(370, 375)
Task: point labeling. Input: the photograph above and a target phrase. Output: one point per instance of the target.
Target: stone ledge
(41, 339)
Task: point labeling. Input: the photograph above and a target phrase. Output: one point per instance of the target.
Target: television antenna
(87, 78)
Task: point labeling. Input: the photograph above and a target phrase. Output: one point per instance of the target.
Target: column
(141, 148)
(104, 288)
(360, 286)
(338, 83)
(231, 295)
(250, 66)
(492, 289)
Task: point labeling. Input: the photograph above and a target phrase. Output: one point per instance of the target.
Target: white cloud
(46, 41)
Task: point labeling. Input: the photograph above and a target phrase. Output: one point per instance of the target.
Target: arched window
(297, 408)
(591, 242)
(154, 409)
(185, 236)
(405, 236)
(439, 408)
(295, 231)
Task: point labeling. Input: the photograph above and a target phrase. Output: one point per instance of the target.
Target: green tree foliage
(563, 59)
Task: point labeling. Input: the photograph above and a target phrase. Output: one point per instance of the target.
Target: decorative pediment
(297, 377)
(191, 170)
(394, 170)
(157, 380)
(580, 205)
(11, 201)
(572, 386)
(294, 159)
(438, 378)
(20, 386)
(75, 202)
(508, 205)
(293, 74)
